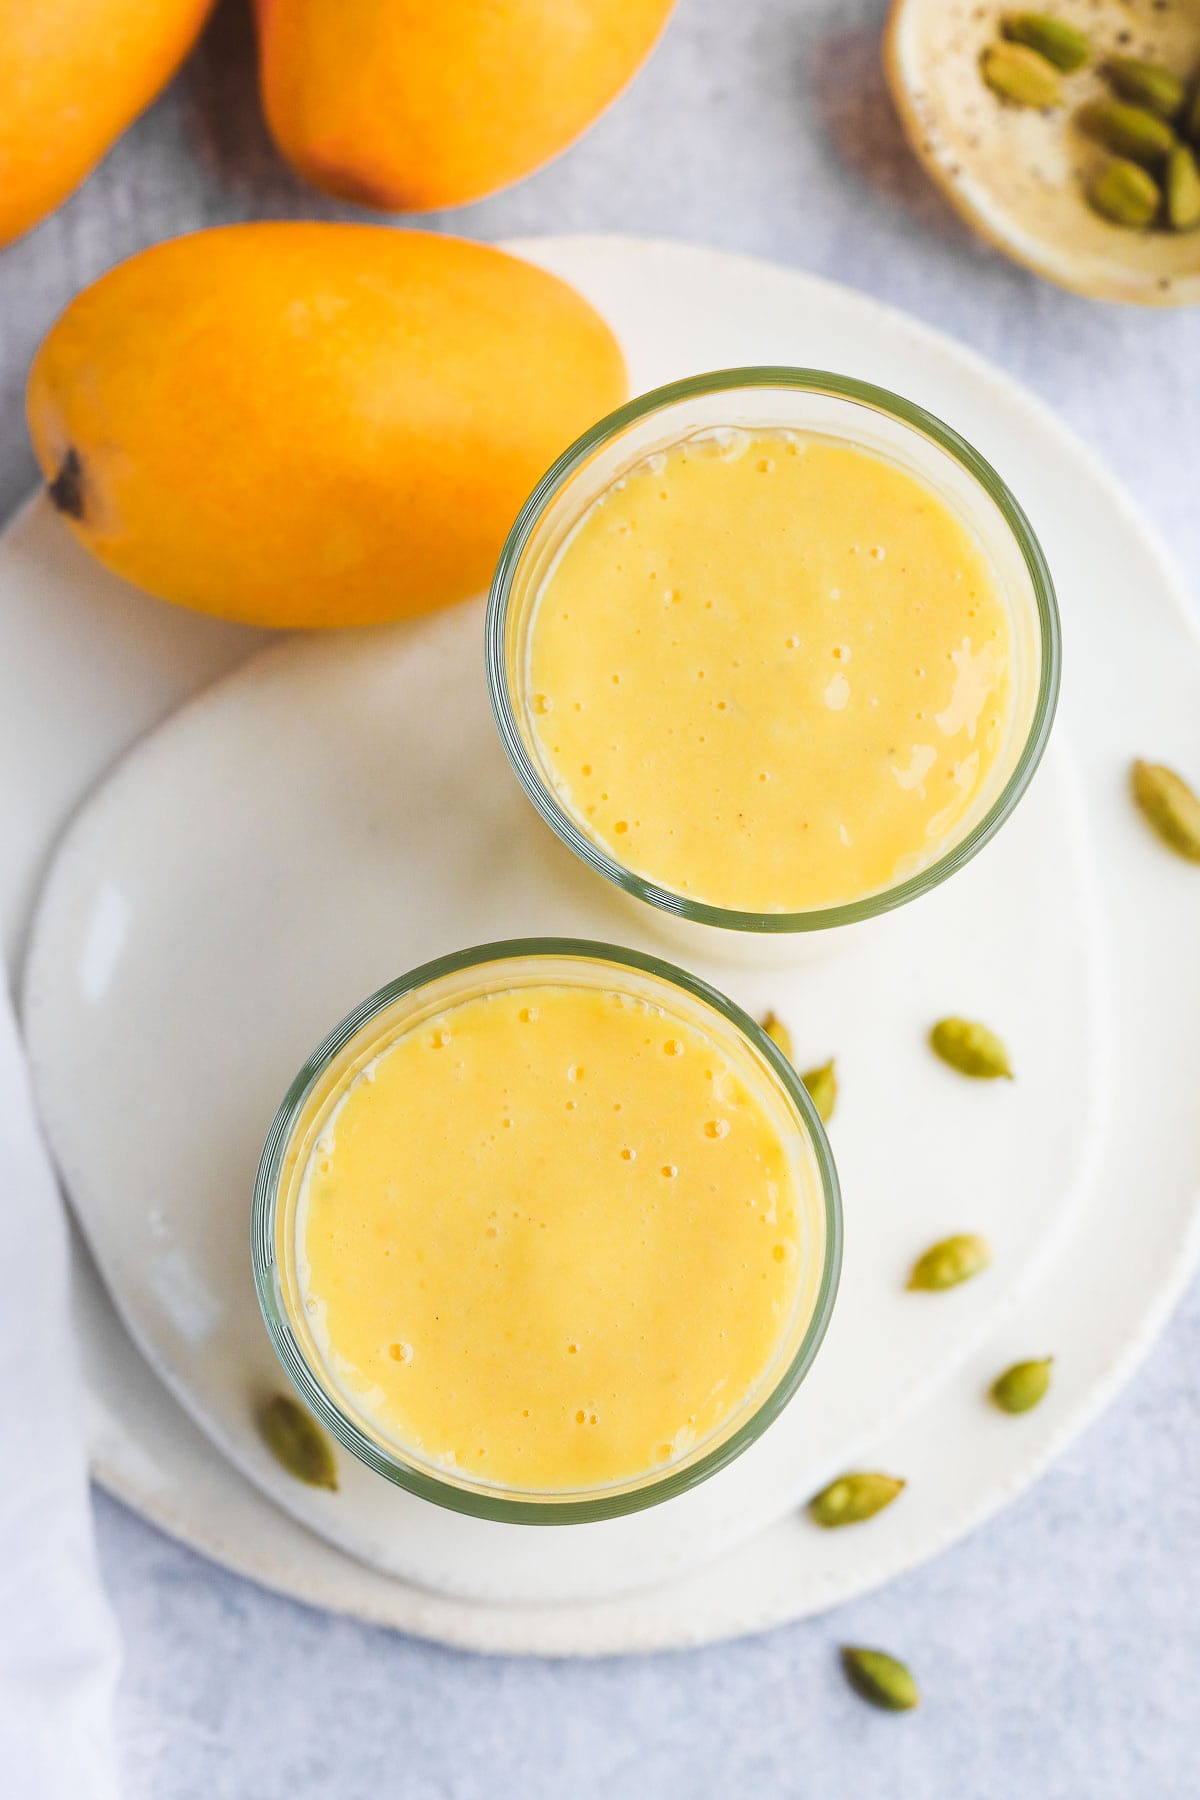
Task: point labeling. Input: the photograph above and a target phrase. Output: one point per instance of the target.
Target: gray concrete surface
(1059, 1649)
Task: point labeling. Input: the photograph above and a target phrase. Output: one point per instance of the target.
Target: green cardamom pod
(1060, 43)
(952, 1260)
(1147, 84)
(1170, 805)
(822, 1085)
(1182, 184)
(971, 1049)
(1125, 194)
(1128, 131)
(852, 1498)
(1022, 1386)
(297, 1442)
(1020, 75)
(778, 1033)
(879, 1678)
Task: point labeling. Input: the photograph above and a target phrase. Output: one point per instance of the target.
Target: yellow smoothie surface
(770, 671)
(554, 1238)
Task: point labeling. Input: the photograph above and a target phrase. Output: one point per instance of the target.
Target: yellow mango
(313, 424)
(410, 106)
(73, 75)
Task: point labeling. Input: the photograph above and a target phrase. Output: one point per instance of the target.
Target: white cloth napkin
(58, 1644)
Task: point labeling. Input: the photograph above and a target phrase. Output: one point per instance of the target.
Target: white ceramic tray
(676, 309)
(340, 811)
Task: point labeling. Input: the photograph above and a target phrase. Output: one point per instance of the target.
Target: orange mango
(313, 424)
(409, 106)
(73, 75)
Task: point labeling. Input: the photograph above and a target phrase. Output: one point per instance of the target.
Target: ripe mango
(313, 424)
(73, 75)
(410, 106)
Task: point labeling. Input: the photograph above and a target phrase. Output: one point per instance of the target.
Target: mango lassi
(770, 671)
(556, 1236)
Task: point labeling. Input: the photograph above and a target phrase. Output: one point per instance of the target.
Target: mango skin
(410, 106)
(302, 424)
(73, 75)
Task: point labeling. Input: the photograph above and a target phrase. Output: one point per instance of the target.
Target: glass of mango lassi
(773, 650)
(547, 1231)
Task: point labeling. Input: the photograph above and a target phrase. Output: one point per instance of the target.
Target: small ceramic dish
(1017, 174)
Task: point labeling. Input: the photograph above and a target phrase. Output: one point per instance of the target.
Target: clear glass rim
(844, 387)
(505, 1505)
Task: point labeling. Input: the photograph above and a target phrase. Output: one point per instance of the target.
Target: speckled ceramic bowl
(1018, 175)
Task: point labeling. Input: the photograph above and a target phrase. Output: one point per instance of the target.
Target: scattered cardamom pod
(1170, 805)
(1022, 1386)
(952, 1260)
(822, 1084)
(1127, 130)
(1018, 74)
(297, 1442)
(971, 1049)
(1147, 84)
(852, 1498)
(1182, 184)
(1060, 43)
(1125, 194)
(881, 1679)
(778, 1033)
